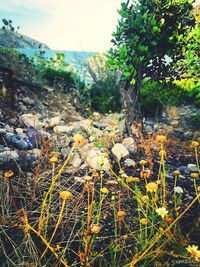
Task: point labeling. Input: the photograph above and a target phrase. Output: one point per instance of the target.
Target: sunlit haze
(85, 25)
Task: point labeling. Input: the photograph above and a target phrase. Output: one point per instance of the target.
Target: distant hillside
(10, 39)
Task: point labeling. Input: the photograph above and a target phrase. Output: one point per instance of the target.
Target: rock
(36, 152)
(28, 101)
(55, 121)
(19, 130)
(79, 180)
(63, 129)
(65, 151)
(148, 128)
(129, 163)
(2, 131)
(76, 161)
(7, 156)
(189, 135)
(183, 170)
(130, 144)
(177, 133)
(101, 125)
(31, 120)
(120, 151)
(192, 167)
(92, 160)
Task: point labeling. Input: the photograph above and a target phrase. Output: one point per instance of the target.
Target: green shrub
(105, 89)
(156, 95)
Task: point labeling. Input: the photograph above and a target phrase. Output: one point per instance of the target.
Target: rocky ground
(42, 123)
(43, 115)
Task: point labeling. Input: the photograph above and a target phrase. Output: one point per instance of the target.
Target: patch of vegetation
(111, 218)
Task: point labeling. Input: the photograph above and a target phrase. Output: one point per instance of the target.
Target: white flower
(162, 212)
(178, 190)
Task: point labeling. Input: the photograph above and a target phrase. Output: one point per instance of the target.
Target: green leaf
(133, 81)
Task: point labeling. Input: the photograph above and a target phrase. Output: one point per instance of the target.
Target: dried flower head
(145, 174)
(195, 144)
(8, 174)
(95, 228)
(144, 199)
(104, 190)
(53, 160)
(78, 139)
(131, 179)
(161, 139)
(87, 178)
(113, 198)
(152, 187)
(162, 212)
(194, 175)
(121, 214)
(66, 195)
(177, 173)
(112, 135)
(169, 219)
(143, 221)
(162, 153)
(142, 162)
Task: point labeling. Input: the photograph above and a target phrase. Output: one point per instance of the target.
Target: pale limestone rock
(31, 120)
(120, 151)
(54, 121)
(130, 144)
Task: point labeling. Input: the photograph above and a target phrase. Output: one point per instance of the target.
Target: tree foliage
(148, 34)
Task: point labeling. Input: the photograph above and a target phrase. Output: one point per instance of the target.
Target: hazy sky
(65, 24)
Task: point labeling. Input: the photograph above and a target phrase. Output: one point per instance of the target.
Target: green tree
(148, 43)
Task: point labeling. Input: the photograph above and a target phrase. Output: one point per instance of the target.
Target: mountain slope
(10, 39)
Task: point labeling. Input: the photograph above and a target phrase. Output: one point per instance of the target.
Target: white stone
(19, 130)
(54, 121)
(192, 167)
(31, 120)
(120, 151)
(130, 163)
(130, 144)
(62, 129)
(93, 160)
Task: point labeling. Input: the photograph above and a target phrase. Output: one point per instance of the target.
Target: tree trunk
(130, 97)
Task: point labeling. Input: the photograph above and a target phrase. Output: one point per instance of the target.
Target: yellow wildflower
(78, 139)
(53, 160)
(177, 173)
(162, 153)
(143, 221)
(95, 228)
(194, 175)
(145, 199)
(145, 174)
(152, 187)
(130, 179)
(104, 190)
(195, 144)
(194, 251)
(142, 162)
(161, 139)
(65, 195)
(121, 214)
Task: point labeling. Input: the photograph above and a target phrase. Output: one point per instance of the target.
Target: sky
(78, 25)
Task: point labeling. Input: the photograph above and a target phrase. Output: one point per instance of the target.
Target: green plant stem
(56, 227)
(136, 260)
